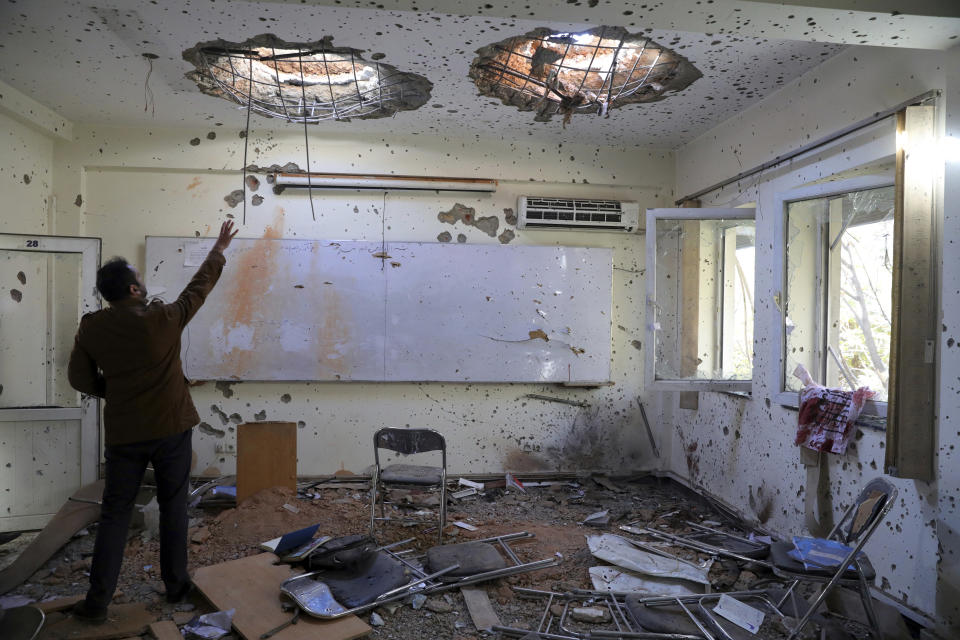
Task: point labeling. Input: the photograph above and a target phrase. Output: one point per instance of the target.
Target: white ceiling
(85, 61)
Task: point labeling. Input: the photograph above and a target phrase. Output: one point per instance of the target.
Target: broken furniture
(80, 509)
(20, 623)
(407, 442)
(266, 457)
(390, 575)
(854, 570)
(710, 541)
(629, 616)
(250, 585)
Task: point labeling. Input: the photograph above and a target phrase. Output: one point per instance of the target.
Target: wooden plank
(123, 621)
(266, 457)
(911, 409)
(165, 630)
(251, 585)
(60, 604)
(71, 517)
(690, 306)
(481, 611)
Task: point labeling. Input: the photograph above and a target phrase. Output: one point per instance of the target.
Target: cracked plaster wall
(741, 449)
(137, 182)
(26, 176)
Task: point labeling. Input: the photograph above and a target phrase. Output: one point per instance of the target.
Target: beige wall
(742, 449)
(135, 183)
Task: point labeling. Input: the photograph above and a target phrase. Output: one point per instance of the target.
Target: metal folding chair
(395, 576)
(854, 529)
(637, 617)
(407, 442)
(712, 542)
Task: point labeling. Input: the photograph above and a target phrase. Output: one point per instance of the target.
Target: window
(839, 277)
(700, 275)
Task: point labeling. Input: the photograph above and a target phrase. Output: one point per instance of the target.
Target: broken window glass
(703, 297)
(839, 273)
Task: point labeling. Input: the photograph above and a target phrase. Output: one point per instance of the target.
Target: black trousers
(171, 458)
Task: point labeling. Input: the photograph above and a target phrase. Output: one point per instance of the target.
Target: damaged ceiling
(103, 70)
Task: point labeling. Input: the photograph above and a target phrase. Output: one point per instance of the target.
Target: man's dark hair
(114, 279)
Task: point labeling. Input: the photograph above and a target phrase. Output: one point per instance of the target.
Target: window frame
(782, 396)
(687, 214)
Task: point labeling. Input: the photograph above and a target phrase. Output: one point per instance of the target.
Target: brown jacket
(129, 354)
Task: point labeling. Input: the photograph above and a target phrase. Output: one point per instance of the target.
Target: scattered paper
(195, 253)
(463, 482)
(12, 602)
(464, 525)
(597, 519)
(210, 626)
(615, 579)
(289, 507)
(619, 551)
(739, 613)
(513, 482)
(464, 493)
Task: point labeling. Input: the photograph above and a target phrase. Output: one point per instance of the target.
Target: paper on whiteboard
(740, 614)
(195, 253)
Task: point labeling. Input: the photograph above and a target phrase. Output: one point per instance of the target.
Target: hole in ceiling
(299, 82)
(554, 73)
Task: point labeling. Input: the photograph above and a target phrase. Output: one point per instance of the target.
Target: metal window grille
(563, 73)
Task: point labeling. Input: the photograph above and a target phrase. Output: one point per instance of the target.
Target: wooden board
(51, 606)
(251, 585)
(71, 517)
(481, 611)
(165, 630)
(123, 621)
(266, 457)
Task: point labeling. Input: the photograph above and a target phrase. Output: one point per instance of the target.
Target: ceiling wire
(246, 142)
(306, 139)
(147, 91)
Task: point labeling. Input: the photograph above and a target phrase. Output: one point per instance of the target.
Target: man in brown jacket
(129, 354)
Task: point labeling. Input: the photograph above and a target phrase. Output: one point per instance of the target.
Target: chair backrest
(875, 499)
(409, 441)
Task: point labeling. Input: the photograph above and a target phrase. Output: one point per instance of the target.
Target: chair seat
(783, 562)
(672, 619)
(411, 474)
(363, 585)
(20, 623)
(755, 550)
(473, 558)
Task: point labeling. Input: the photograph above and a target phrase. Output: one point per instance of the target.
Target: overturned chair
(362, 577)
(633, 616)
(407, 442)
(853, 568)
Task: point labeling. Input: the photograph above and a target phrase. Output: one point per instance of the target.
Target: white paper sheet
(194, 253)
(615, 579)
(618, 550)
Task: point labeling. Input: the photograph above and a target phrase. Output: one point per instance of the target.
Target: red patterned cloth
(827, 416)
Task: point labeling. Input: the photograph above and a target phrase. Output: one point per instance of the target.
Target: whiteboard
(314, 310)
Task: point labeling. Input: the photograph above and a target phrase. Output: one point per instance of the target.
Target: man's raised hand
(227, 232)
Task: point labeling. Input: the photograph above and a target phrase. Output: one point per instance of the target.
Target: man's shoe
(88, 614)
(177, 595)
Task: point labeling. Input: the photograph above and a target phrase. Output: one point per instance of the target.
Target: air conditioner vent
(574, 213)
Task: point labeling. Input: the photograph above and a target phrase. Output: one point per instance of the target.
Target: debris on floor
(592, 536)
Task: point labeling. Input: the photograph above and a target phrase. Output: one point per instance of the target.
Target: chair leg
(443, 511)
(868, 604)
(373, 505)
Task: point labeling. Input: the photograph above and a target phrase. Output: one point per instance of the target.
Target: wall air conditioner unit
(577, 214)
